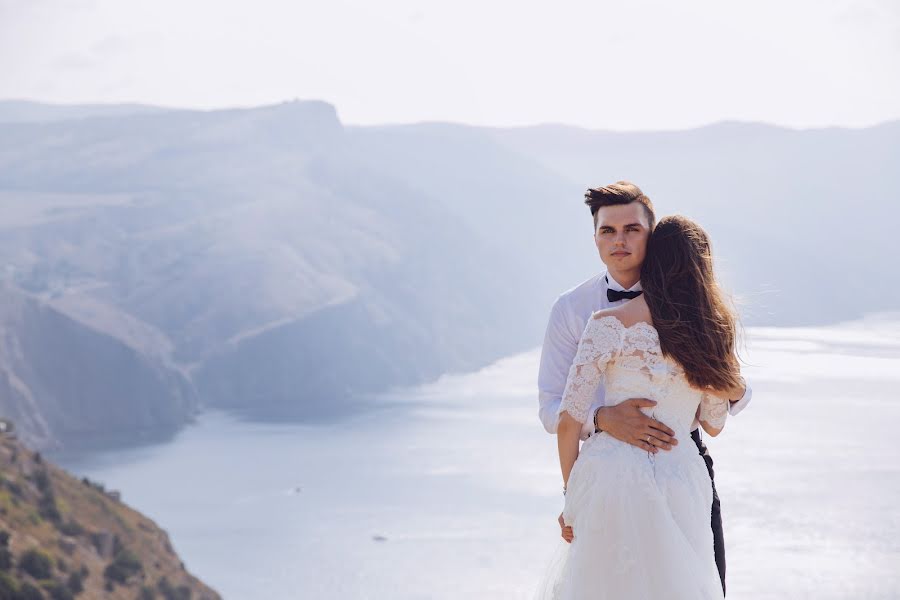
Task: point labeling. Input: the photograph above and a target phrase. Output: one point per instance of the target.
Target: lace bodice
(632, 363)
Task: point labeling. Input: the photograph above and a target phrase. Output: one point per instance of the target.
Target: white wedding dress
(641, 521)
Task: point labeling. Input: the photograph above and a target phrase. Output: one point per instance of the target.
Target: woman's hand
(566, 530)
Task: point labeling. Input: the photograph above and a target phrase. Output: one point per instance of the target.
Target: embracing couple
(634, 362)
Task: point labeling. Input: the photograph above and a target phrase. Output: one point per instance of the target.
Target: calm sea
(452, 490)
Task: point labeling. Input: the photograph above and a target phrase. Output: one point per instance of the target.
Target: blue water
(452, 490)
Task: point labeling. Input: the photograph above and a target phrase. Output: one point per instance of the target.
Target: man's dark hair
(620, 192)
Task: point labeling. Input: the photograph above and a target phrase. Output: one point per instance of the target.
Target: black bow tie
(616, 295)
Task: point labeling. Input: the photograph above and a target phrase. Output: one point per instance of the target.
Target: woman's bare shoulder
(613, 311)
(628, 314)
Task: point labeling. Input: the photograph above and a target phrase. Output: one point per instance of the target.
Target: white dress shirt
(568, 318)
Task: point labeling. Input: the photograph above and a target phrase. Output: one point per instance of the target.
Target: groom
(623, 219)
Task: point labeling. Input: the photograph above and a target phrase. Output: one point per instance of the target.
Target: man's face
(621, 235)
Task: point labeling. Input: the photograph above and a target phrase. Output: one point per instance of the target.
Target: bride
(641, 520)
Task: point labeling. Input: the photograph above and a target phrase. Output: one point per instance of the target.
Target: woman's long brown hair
(696, 325)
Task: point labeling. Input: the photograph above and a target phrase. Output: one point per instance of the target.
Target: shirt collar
(615, 285)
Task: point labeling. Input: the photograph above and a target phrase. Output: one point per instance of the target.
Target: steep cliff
(64, 382)
(61, 537)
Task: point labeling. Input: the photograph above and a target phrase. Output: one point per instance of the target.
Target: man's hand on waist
(627, 423)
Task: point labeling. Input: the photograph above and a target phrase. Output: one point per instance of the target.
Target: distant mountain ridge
(276, 262)
(24, 111)
(779, 204)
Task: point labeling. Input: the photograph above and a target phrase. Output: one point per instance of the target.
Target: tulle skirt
(641, 524)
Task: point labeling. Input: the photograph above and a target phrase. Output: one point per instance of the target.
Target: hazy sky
(619, 65)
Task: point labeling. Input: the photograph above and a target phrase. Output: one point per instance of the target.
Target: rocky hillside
(261, 253)
(63, 538)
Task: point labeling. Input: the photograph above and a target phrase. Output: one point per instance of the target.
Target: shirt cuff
(738, 405)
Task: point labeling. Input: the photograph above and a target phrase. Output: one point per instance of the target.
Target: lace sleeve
(599, 342)
(713, 410)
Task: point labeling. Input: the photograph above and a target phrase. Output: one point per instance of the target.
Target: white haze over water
(452, 489)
